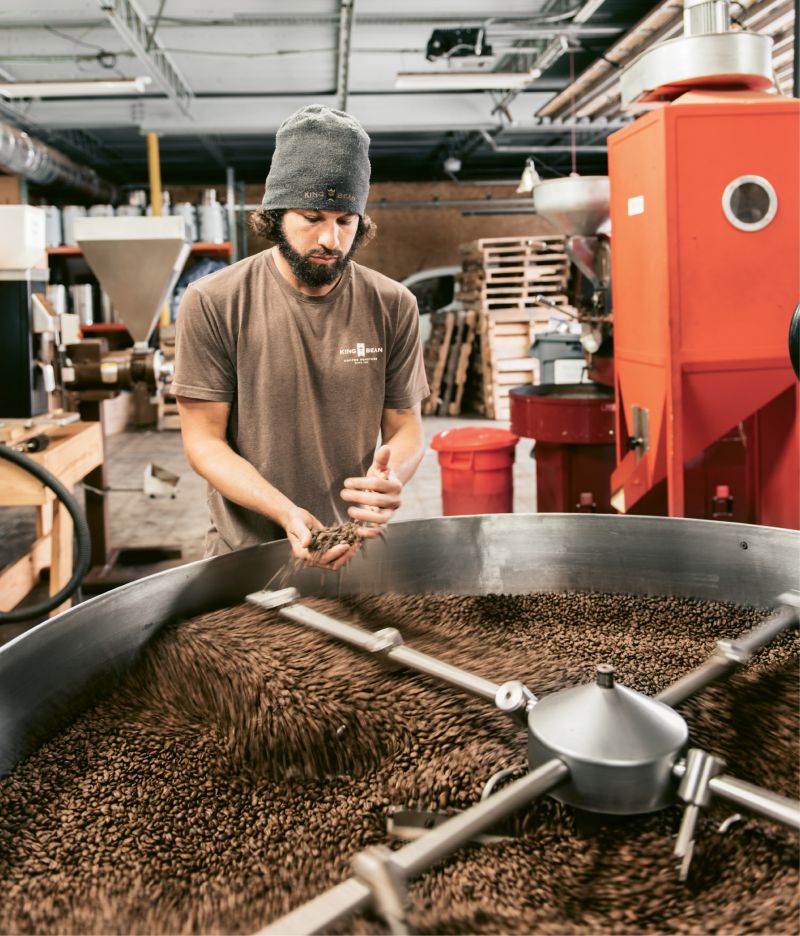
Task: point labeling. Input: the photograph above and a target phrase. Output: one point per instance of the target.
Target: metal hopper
(137, 261)
(576, 205)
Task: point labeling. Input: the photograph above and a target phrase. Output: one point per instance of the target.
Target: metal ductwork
(701, 17)
(25, 156)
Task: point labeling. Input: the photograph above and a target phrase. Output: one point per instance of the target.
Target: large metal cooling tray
(602, 747)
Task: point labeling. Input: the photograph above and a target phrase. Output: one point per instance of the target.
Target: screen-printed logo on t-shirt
(360, 353)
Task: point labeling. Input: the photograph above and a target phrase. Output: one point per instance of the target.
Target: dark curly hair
(267, 224)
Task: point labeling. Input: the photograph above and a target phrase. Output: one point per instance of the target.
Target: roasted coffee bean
(343, 534)
(244, 760)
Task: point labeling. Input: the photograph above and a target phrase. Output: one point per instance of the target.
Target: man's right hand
(299, 525)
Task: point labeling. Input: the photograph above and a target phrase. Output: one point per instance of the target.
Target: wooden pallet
(489, 250)
(455, 374)
(447, 356)
(505, 340)
(531, 280)
(516, 274)
(470, 323)
(482, 301)
(435, 355)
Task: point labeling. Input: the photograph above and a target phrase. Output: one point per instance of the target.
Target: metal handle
(442, 841)
(755, 798)
(732, 653)
(511, 698)
(319, 914)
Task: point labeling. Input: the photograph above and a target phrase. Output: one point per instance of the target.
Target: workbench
(74, 451)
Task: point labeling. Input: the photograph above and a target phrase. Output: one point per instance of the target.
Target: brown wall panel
(415, 238)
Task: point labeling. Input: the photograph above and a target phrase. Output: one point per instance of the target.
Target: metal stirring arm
(381, 875)
(731, 654)
(513, 697)
(702, 778)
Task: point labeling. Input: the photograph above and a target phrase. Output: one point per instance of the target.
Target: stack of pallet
(503, 282)
(510, 272)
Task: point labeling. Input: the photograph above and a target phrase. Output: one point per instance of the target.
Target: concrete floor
(136, 520)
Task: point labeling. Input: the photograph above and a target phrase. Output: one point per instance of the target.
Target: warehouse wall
(413, 238)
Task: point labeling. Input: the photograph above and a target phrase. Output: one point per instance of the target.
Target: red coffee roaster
(705, 215)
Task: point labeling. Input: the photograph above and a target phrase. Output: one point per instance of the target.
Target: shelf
(206, 247)
(199, 247)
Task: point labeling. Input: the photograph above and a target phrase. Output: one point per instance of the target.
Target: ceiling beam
(552, 52)
(267, 19)
(220, 116)
(129, 21)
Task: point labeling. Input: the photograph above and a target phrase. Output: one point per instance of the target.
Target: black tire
(83, 552)
(794, 340)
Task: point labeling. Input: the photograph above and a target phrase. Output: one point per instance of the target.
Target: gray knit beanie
(321, 161)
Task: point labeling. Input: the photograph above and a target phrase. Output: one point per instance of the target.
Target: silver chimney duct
(706, 16)
(708, 55)
(36, 161)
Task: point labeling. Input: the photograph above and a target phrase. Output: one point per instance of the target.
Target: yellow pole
(154, 174)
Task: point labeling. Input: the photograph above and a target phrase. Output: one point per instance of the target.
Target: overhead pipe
(655, 26)
(596, 90)
(498, 148)
(37, 162)
(343, 59)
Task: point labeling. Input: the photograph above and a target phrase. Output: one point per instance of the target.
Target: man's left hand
(375, 497)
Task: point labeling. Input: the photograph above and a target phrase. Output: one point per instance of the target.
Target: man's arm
(401, 430)
(376, 497)
(203, 428)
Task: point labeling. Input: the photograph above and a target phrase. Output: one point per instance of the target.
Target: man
(291, 362)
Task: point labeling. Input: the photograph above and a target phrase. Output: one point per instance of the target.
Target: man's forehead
(324, 212)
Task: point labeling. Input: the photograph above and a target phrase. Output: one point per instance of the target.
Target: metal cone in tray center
(620, 746)
(600, 747)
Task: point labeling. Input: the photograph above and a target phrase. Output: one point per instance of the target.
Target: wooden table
(74, 451)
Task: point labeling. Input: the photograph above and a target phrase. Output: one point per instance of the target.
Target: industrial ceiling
(524, 77)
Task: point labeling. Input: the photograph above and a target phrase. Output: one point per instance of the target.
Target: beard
(310, 273)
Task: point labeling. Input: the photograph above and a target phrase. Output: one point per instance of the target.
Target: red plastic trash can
(477, 470)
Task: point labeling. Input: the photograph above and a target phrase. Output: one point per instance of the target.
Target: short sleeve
(406, 384)
(204, 358)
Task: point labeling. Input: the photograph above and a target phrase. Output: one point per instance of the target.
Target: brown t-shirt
(307, 378)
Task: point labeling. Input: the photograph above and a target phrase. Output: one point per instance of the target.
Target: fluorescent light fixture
(464, 81)
(92, 88)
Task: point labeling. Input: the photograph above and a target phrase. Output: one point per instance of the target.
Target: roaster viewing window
(749, 203)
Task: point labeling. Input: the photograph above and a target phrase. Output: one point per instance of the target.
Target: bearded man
(290, 364)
